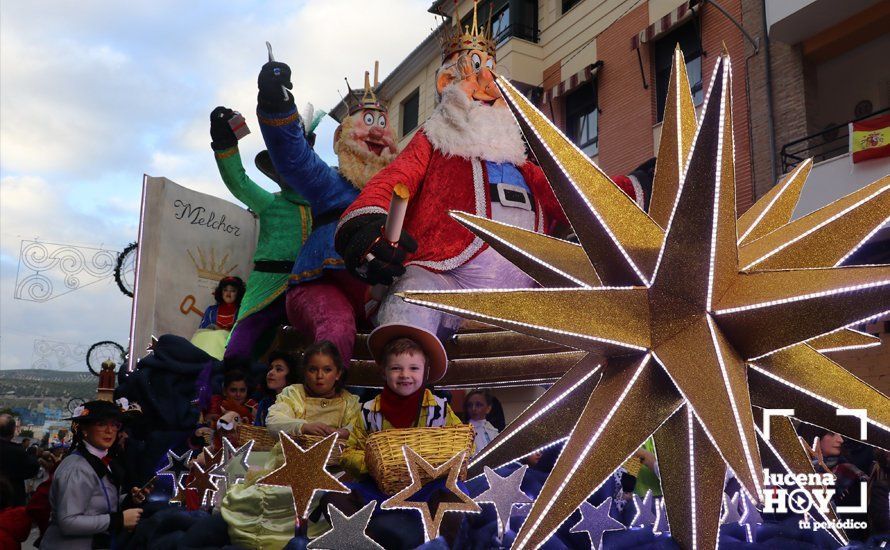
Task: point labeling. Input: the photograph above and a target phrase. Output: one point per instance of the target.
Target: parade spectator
(18, 464)
(14, 522)
(879, 494)
(88, 507)
(283, 372)
(478, 404)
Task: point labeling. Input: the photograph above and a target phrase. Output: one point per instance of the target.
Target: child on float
(231, 408)
(478, 405)
(220, 317)
(222, 314)
(410, 358)
(234, 398)
(283, 371)
(319, 406)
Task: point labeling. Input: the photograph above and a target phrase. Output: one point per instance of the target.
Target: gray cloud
(93, 95)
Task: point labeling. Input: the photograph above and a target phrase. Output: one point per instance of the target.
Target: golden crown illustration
(210, 268)
(367, 98)
(471, 37)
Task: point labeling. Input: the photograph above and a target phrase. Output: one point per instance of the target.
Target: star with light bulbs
(697, 325)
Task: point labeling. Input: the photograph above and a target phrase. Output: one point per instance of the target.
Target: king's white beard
(469, 129)
(356, 163)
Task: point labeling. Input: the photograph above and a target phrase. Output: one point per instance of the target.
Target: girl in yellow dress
(260, 516)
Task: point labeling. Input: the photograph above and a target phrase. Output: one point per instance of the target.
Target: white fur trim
(463, 128)
(638, 191)
(359, 212)
(476, 244)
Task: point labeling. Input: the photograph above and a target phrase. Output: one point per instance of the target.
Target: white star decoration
(504, 492)
(595, 521)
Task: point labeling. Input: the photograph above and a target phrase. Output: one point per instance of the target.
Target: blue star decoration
(751, 518)
(347, 532)
(595, 520)
(644, 516)
(661, 518)
(435, 498)
(177, 467)
(503, 493)
(730, 509)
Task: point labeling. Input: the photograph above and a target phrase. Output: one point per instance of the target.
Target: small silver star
(751, 518)
(504, 492)
(644, 517)
(177, 467)
(595, 520)
(234, 463)
(347, 532)
(661, 518)
(730, 509)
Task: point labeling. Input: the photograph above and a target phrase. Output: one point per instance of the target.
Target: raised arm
(296, 162)
(231, 168)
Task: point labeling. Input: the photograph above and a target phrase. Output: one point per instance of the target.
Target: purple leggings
(251, 328)
(327, 308)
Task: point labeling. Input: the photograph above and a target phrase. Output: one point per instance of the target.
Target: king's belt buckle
(512, 196)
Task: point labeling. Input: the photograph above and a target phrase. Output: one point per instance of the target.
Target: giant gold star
(678, 340)
(303, 472)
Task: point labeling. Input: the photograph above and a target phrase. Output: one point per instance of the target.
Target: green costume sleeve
(245, 189)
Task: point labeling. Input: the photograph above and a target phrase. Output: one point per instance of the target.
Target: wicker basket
(262, 439)
(305, 441)
(386, 462)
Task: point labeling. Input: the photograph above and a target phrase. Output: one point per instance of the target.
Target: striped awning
(581, 77)
(678, 15)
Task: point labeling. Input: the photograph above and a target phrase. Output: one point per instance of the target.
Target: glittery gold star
(304, 471)
(433, 509)
(680, 322)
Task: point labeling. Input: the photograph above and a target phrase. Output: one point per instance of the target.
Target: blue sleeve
(209, 317)
(298, 164)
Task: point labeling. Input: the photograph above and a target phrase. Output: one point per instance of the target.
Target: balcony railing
(517, 30)
(831, 142)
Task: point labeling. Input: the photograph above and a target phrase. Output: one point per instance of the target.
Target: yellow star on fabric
(432, 510)
(303, 472)
(680, 323)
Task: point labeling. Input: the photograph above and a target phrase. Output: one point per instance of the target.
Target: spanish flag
(870, 139)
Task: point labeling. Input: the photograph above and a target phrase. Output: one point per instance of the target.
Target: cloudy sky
(95, 94)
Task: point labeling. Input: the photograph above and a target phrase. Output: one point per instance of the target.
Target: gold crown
(209, 268)
(474, 37)
(366, 99)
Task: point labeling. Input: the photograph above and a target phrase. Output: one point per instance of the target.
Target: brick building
(802, 69)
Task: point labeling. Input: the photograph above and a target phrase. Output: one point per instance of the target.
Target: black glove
(220, 132)
(271, 97)
(362, 236)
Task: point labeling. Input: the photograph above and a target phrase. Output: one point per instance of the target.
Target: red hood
(15, 526)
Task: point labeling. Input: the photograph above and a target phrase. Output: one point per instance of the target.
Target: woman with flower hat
(88, 508)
